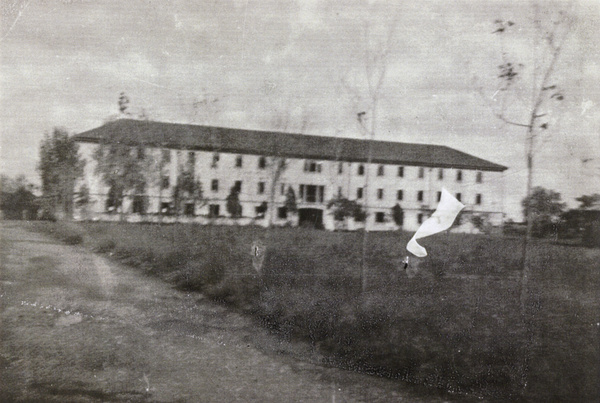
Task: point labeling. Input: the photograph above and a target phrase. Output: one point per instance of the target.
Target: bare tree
(277, 163)
(376, 52)
(551, 36)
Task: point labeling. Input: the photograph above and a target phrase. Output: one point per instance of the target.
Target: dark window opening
(421, 172)
(166, 182)
(312, 166)
(379, 217)
(420, 195)
(340, 168)
(380, 194)
(380, 170)
(165, 208)
(459, 196)
(139, 205)
(440, 174)
(420, 219)
(213, 210)
(361, 169)
(215, 160)
(399, 195)
(189, 209)
(282, 212)
(214, 185)
(191, 158)
(478, 198)
(238, 186)
(359, 193)
(261, 188)
(401, 172)
(439, 196)
(459, 176)
(262, 162)
(479, 177)
(238, 161)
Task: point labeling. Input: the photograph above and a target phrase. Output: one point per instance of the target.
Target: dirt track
(78, 327)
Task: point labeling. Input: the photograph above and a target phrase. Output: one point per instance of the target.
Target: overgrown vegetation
(456, 325)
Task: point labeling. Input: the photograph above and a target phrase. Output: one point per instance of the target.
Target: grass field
(455, 325)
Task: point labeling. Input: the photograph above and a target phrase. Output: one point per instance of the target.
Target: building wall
(345, 180)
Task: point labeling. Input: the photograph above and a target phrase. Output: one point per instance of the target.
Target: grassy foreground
(455, 325)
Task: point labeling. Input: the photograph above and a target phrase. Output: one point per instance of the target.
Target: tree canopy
(545, 207)
(59, 167)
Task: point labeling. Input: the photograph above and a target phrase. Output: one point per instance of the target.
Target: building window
(420, 219)
(380, 170)
(301, 192)
(359, 193)
(459, 176)
(139, 205)
(321, 194)
(380, 217)
(440, 173)
(214, 185)
(478, 199)
(361, 169)
(459, 196)
(282, 212)
(165, 208)
(215, 160)
(312, 166)
(165, 182)
(213, 210)
(189, 209)
(262, 162)
(261, 210)
(379, 194)
(166, 156)
(420, 195)
(282, 189)
(479, 177)
(191, 158)
(421, 172)
(238, 161)
(237, 186)
(340, 168)
(401, 172)
(439, 196)
(261, 188)
(399, 195)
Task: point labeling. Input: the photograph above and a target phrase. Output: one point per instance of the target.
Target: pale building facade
(317, 169)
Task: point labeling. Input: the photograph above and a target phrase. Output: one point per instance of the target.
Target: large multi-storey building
(317, 168)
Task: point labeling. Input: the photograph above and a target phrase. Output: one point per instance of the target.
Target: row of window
(420, 195)
(314, 166)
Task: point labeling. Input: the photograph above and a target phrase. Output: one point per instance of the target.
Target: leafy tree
(344, 208)
(587, 201)
(545, 208)
(234, 208)
(398, 215)
(122, 165)
(59, 167)
(17, 200)
(187, 189)
(290, 201)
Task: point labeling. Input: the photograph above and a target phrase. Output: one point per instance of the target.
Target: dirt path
(77, 327)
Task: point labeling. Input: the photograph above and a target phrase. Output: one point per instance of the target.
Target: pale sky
(255, 64)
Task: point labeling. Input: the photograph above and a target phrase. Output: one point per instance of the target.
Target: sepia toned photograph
(299, 201)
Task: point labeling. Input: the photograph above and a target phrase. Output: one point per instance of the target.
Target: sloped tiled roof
(195, 137)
